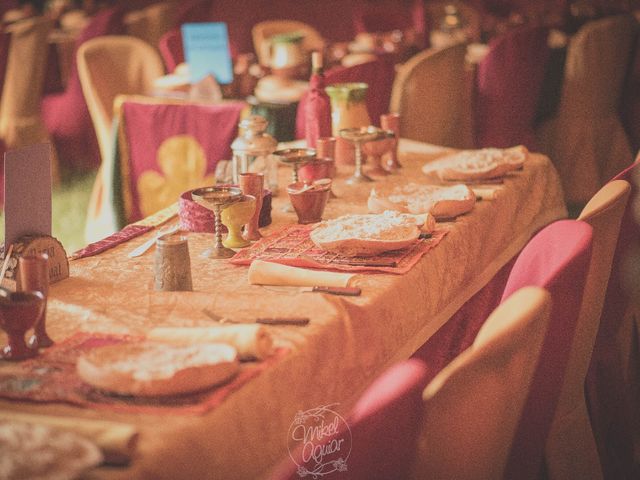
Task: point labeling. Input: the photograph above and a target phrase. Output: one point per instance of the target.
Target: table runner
(292, 246)
(51, 377)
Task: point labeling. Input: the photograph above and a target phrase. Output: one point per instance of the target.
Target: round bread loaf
(157, 369)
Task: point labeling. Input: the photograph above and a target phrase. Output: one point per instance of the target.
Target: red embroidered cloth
(292, 246)
(51, 377)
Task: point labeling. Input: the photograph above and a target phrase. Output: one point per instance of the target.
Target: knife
(347, 291)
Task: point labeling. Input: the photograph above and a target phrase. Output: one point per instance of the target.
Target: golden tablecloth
(346, 345)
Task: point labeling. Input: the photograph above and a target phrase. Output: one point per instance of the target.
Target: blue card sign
(206, 50)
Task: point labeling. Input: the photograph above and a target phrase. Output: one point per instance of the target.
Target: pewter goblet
(18, 313)
(296, 157)
(216, 199)
(358, 136)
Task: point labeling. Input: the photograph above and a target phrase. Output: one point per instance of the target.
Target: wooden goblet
(18, 313)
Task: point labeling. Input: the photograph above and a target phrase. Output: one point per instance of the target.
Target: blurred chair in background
(152, 22)
(171, 49)
(586, 140)
(262, 32)
(507, 88)
(66, 114)
(472, 408)
(429, 93)
(138, 64)
(21, 122)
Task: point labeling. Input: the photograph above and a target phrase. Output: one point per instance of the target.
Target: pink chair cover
(508, 85)
(147, 125)
(384, 426)
(378, 74)
(66, 115)
(557, 259)
(171, 49)
(610, 402)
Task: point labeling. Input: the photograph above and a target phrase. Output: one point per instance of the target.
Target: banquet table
(348, 342)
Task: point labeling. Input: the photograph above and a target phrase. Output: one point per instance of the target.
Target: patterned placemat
(292, 246)
(51, 377)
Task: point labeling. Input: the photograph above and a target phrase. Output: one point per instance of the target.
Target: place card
(206, 50)
(27, 192)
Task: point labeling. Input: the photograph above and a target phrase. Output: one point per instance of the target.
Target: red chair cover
(557, 259)
(631, 100)
(66, 115)
(378, 74)
(147, 126)
(388, 15)
(508, 86)
(384, 426)
(171, 49)
(608, 393)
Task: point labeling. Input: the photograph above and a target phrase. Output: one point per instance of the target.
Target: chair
(429, 93)
(167, 147)
(571, 448)
(378, 74)
(586, 139)
(557, 259)
(262, 32)
(612, 385)
(152, 22)
(631, 100)
(473, 406)
(507, 88)
(171, 49)
(386, 16)
(137, 64)
(20, 119)
(66, 115)
(383, 428)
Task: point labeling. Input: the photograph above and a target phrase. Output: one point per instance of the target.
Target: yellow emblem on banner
(183, 164)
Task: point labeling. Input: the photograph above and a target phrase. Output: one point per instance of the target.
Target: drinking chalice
(216, 199)
(18, 313)
(358, 136)
(295, 157)
(375, 149)
(235, 217)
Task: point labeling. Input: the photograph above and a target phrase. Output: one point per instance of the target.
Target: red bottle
(317, 105)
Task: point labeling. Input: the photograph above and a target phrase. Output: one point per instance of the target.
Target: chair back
(472, 407)
(20, 120)
(507, 88)
(169, 147)
(5, 39)
(428, 93)
(586, 140)
(152, 22)
(138, 64)
(386, 16)
(262, 32)
(171, 49)
(383, 428)
(631, 99)
(556, 259)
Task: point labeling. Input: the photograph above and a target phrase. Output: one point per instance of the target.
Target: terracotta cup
(252, 184)
(33, 272)
(18, 313)
(391, 121)
(309, 204)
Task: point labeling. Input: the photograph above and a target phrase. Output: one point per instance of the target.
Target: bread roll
(157, 369)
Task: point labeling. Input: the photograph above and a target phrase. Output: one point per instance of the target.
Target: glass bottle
(252, 152)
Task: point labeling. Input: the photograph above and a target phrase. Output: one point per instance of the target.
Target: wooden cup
(252, 184)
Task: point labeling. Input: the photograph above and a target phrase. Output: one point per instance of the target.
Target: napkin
(250, 340)
(269, 273)
(116, 440)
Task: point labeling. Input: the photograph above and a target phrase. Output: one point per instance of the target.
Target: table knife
(347, 291)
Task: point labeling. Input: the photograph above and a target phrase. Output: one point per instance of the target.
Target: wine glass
(358, 136)
(216, 199)
(18, 313)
